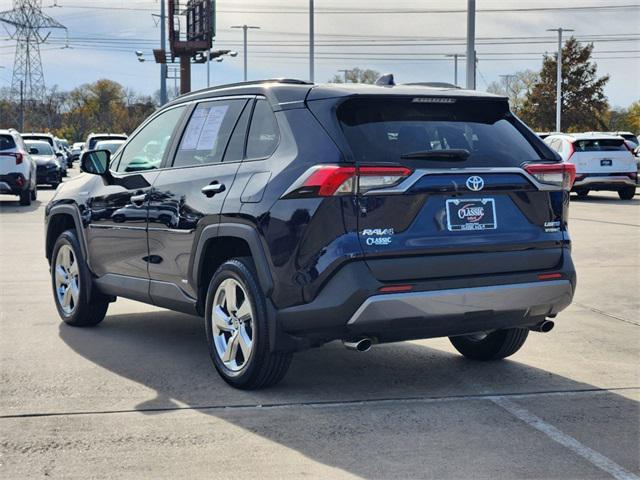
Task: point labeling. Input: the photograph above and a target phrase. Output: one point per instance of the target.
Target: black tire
(34, 193)
(263, 368)
(496, 345)
(91, 306)
(25, 198)
(627, 193)
(582, 193)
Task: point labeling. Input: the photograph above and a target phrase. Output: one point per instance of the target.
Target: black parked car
(290, 214)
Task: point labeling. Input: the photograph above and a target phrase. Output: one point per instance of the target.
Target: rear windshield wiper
(453, 154)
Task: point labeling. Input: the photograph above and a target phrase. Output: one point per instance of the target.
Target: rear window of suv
(6, 142)
(602, 145)
(382, 129)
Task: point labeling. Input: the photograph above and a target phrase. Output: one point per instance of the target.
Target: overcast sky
(388, 36)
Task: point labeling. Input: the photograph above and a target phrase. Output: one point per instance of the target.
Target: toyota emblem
(475, 183)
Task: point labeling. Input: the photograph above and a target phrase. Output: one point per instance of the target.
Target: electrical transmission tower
(30, 27)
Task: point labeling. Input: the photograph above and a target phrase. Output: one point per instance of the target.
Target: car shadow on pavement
(13, 206)
(609, 200)
(167, 352)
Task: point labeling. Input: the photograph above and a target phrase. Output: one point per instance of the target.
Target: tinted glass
(49, 140)
(111, 146)
(146, 150)
(43, 147)
(604, 145)
(6, 142)
(383, 129)
(631, 138)
(263, 133)
(207, 133)
(94, 140)
(235, 150)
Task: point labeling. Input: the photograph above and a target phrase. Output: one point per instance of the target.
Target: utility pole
(312, 43)
(559, 76)
(163, 66)
(471, 41)
(244, 42)
(345, 74)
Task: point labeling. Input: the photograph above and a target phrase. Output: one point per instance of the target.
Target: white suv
(17, 169)
(603, 162)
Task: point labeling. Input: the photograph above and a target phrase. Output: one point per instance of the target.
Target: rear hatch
(457, 201)
(602, 156)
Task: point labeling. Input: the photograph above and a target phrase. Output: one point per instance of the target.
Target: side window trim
(251, 105)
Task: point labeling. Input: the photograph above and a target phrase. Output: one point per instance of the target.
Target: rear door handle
(211, 190)
(138, 199)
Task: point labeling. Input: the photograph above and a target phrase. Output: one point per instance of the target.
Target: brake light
(572, 150)
(549, 276)
(554, 174)
(331, 180)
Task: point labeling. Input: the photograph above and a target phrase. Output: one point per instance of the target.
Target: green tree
(516, 87)
(357, 75)
(584, 104)
(625, 118)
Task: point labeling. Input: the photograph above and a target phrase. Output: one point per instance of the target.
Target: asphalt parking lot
(137, 397)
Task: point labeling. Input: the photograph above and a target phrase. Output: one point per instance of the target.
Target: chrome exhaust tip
(543, 327)
(363, 344)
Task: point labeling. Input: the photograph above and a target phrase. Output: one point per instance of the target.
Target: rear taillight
(553, 174)
(330, 180)
(572, 150)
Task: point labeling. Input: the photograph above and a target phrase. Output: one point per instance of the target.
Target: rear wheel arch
(219, 243)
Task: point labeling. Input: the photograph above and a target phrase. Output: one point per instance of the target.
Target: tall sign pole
(471, 47)
(244, 44)
(559, 76)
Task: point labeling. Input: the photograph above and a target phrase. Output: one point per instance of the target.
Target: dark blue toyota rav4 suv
(289, 214)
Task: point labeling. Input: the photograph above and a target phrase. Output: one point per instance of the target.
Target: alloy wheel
(67, 279)
(232, 325)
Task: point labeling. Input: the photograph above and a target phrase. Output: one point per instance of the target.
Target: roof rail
(434, 84)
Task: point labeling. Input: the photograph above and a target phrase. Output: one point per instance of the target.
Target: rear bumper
(604, 183)
(536, 299)
(47, 176)
(350, 305)
(13, 184)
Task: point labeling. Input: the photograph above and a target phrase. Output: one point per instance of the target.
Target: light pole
(455, 57)
(312, 42)
(244, 40)
(559, 75)
(218, 55)
(471, 41)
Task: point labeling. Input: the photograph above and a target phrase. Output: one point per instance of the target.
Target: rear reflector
(330, 180)
(549, 276)
(395, 288)
(561, 175)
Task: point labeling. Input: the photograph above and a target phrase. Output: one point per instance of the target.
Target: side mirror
(59, 154)
(33, 151)
(95, 162)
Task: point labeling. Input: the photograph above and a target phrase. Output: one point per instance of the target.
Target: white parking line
(593, 457)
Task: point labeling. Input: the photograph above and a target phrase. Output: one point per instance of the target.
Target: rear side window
(6, 142)
(382, 129)
(206, 135)
(603, 145)
(263, 133)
